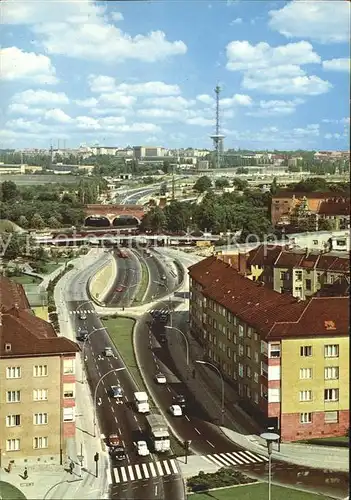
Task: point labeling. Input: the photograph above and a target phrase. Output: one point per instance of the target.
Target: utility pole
(173, 184)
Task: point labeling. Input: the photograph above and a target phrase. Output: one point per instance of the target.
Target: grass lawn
(24, 279)
(342, 441)
(120, 331)
(51, 266)
(10, 492)
(143, 283)
(257, 491)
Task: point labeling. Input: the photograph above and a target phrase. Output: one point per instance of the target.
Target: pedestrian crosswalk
(82, 311)
(235, 458)
(158, 312)
(146, 470)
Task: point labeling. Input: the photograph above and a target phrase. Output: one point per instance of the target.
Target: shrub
(223, 477)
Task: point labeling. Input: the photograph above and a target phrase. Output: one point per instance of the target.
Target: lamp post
(95, 392)
(83, 348)
(184, 337)
(270, 438)
(222, 381)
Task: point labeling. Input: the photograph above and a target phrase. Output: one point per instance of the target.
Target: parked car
(108, 351)
(176, 410)
(142, 449)
(179, 399)
(113, 440)
(160, 378)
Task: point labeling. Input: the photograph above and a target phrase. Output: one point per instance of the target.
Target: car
(82, 333)
(176, 410)
(119, 289)
(163, 277)
(82, 316)
(108, 351)
(141, 448)
(113, 440)
(179, 399)
(116, 391)
(160, 378)
(118, 453)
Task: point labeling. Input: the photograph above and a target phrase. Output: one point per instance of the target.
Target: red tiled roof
(334, 208)
(309, 260)
(12, 293)
(288, 259)
(340, 288)
(264, 255)
(321, 316)
(333, 263)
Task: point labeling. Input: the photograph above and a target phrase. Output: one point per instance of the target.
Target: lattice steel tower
(217, 137)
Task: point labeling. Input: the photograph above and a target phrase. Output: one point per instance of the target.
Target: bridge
(113, 215)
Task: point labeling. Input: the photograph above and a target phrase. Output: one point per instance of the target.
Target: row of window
(40, 370)
(330, 417)
(39, 418)
(330, 373)
(329, 395)
(330, 351)
(40, 394)
(38, 444)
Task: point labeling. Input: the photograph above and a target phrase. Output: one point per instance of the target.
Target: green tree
(13, 245)
(177, 216)
(37, 221)
(240, 184)
(23, 222)
(274, 186)
(154, 220)
(221, 183)
(326, 225)
(8, 191)
(203, 184)
(54, 222)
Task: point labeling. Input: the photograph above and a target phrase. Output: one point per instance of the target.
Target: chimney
(242, 264)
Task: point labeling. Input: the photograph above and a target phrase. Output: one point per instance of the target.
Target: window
(340, 243)
(40, 442)
(249, 332)
(256, 377)
(274, 350)
(305, 373)
(298, 275)
(68, 390)
(68, 366)
(306, 351)
(229, 354)
(331, 417)
(13, 372)
(305, 418)
(12, 444)
(331, 372)
(248, 351)
(40, 371)
(308, 285)
(241, 350)
(255, 336)
(234, 339)
(331, 394)
(248, 372)
(13, 396)
(274, 395)
(264, 369)
(315, 242)
(256, 356)
(331, 351)
(283, 275)
(40, 418)
(305, 395)
(264, 348)
(40, 394)
(256, 397)
(241, 370)
(13, 420)
(241, 331)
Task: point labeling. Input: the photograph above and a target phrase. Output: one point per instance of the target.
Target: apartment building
(299, 272)
(37, 378)
(288, 359)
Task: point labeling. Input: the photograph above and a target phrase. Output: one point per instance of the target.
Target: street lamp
(270, 438)
(222, 381)
(186, 341)
(95, 392)
(83, 348)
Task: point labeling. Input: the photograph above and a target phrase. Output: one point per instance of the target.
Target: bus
(157, 430)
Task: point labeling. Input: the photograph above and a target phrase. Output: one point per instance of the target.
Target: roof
(314, 194)
(325, 316)
(340, 288)
(333, 263)
(334, 208)
(263, 308)
(264, 255)
(27, 334)
(288, 259)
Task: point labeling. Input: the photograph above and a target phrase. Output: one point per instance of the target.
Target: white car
(142, 448)
(160, 378)
(176, 410)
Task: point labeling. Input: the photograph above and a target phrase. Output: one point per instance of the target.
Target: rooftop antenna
(217, 137)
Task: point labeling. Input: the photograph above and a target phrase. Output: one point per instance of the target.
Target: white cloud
(322, 21)
(238, 20)
(309, 130)
(27, 125)
(333, 136)
(149, 88)
(205, 98)
(237, 99)
(116, 16)
(116, 99)
(276, 108)
(165, 114)
(300, 85)
(101, 83)
(200, 121)
(87, 123)
(139, 127)
(87, 103)
(19, 65)
(40, 98)
(340, 64)
(345, 120)
(171, 102)
(22, 109)
(111, 111)
(57, 115)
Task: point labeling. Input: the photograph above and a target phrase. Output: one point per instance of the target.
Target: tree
(37, 221)
(23, 221)
(221, 183)
(240, 184)
(177, 216)
(274, 186)
(326, 225)
(154, 220)
(54, 222)
(13, 245)
(203, 184)
(8, 191)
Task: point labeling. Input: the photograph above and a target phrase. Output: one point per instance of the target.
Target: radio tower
(217, 137)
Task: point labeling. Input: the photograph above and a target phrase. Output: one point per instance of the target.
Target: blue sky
(119, 73)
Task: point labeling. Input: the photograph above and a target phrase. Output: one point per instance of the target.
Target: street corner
(192, 464)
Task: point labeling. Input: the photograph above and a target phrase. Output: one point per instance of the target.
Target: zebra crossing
(236, 458)
(146, 470)
(158, 312)
(82, 311)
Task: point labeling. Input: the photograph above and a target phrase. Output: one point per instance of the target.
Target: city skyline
(144, 73)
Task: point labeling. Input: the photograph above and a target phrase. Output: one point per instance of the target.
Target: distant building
(37, 379)
(12, 168)
(144, 152)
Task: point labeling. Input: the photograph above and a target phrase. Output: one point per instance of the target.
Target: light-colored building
(288, 359)
(141, 152)
(37, 379)
(7, 168)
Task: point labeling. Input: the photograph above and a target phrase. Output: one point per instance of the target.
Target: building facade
(252, 334)
(37, 377)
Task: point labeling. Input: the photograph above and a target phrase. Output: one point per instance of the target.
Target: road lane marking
(159, 468)
(124, 475)
(115, 473)
(188, 419)
(263, 458)
(169, 390)
(131, 473)
(138, 472)
(112, 409)
(119, 430)
(153, 470)
(244, 457)
(197, 430)
(166, 466)
(251, 457)
(173, 465)
(207, 441)
(221, 459)
(232, 457)
(135, 418)
(116, 419)
(213, 459)
(146, 472)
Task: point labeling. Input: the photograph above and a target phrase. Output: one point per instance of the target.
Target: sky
(143, 73)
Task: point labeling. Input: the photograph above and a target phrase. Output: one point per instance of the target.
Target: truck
(141, 401)
(158, 433)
